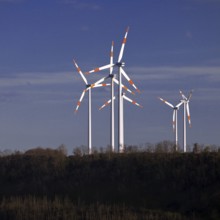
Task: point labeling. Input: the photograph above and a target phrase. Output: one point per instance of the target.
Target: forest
(48, 184)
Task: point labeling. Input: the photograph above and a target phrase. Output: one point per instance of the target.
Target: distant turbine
(88, 88)
(119, 64)
(175, 110)
(185, 101)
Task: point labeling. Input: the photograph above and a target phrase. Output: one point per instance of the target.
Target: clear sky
(171, 45)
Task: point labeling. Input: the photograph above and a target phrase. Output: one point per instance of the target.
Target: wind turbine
(185, 101)
(121, 71)
(175, 110)
(88, 88)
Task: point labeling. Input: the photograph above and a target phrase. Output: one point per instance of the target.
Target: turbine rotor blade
(111, 58)
(99, 85)
(123, 46)
(183, 96)
(190, 95)
(129, 80)
(132, 101)
(188, 113)
(123, 86)
(106, 103)
(100, 68)
(178, 105)
(81, 98)
(80, 72)
(88, 88)
(166, 102)
(101, 80)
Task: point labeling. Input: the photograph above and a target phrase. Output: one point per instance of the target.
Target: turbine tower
(88, 88)
(175, 110)
(185, 101)
(112, 112)
(121, 72)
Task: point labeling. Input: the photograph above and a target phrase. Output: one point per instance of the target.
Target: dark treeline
(47, 184)
(165, 146)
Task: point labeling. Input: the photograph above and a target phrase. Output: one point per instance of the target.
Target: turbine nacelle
(184, 101)
(111, 76)
(120, 64)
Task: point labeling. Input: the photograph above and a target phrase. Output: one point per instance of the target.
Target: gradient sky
(171, 45)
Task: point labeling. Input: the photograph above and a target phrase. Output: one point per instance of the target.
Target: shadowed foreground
(47, 184)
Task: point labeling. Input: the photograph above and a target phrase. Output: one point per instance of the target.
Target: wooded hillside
(110, 186)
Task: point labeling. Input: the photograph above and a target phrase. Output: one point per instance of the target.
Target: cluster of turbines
(121, 97)
(185, 101)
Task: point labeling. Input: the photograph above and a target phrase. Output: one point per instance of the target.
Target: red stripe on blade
(131, 82)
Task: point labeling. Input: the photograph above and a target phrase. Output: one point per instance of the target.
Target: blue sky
(171, 45)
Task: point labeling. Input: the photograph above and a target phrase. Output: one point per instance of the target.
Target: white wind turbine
(119, 64)
(175, 110)
(88, 88)
(185, 101)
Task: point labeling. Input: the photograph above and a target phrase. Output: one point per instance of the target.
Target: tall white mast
(184, 128)
(185, 101)
(90, 123)
(112, 117)
(120, 114)
(176, 129)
